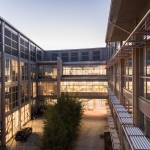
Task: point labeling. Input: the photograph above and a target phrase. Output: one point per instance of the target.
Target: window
(24, 93)
(47, 72)
(32, 53)
(11, 98)
(24, 71)
(47, 88)
(54, 56)
(11, 70)
(33, 71)
(83, 86)
(11, 42)
(84, 70)
(24, 50)
(85, 56)
(33, 90)
(145, 72)
(128, 74)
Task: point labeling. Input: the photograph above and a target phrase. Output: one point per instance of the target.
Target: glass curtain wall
(11, 70)
(145, 72)
(11, 124)
(128, 74)
(24, 71)
(25, 113)
(83, 86)
(47, 88)
(84, 70)
(11, 98)
(33, 71)
(24, 93)
(47, 72)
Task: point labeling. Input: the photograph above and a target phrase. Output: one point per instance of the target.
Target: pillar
(3, 85)
(19, 81)
(59, 74)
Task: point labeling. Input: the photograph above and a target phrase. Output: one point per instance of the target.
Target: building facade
(32, 78)
(117, 75)
(128, 44)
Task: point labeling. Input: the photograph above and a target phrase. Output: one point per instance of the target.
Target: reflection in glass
(24, 71)
(130, 66)
(83, 86)
(148, 58)
(47, 72)
(84, 70)
(11, 70)
(130, 84)
(32, 71)
(148, 89)
(47, 88)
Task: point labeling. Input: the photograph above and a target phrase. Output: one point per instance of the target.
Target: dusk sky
(59, 24)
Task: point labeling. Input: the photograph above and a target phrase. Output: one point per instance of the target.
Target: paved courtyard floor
(93, 124)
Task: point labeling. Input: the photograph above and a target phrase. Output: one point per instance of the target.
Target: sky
(59, 24)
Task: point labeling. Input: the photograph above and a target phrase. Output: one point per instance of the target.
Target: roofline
(77, 49)
(2, 19)
(113, 16)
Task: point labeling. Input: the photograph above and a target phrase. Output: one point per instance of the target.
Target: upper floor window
(24, 71)
(11, 70)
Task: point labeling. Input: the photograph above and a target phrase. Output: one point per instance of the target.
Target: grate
(7, 33)
(14, 45)
(7, 49)
(7, 41)
(14, 37)
(14, 52)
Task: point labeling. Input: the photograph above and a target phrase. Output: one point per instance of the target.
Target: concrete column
(101, 54)
(19, 81)
(59, 74)
(36, 78)
(29, 81)
(3, 85)
(135, 85)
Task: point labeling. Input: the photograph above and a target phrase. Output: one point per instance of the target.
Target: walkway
(93, 124)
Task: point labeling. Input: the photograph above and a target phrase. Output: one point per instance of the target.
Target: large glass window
(33, 71)
(47, 88)
(33, 90)
(83, 86)
(84, 70)
(145, 75)
(47, 72)
(24, 71)
(24, 93)
(25, 114)
(11, 70)
(128, 74)
(11, 98)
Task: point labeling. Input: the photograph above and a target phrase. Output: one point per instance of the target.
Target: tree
(61, 122)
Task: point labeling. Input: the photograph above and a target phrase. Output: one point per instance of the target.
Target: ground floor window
(25, 114)
(11, 124)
